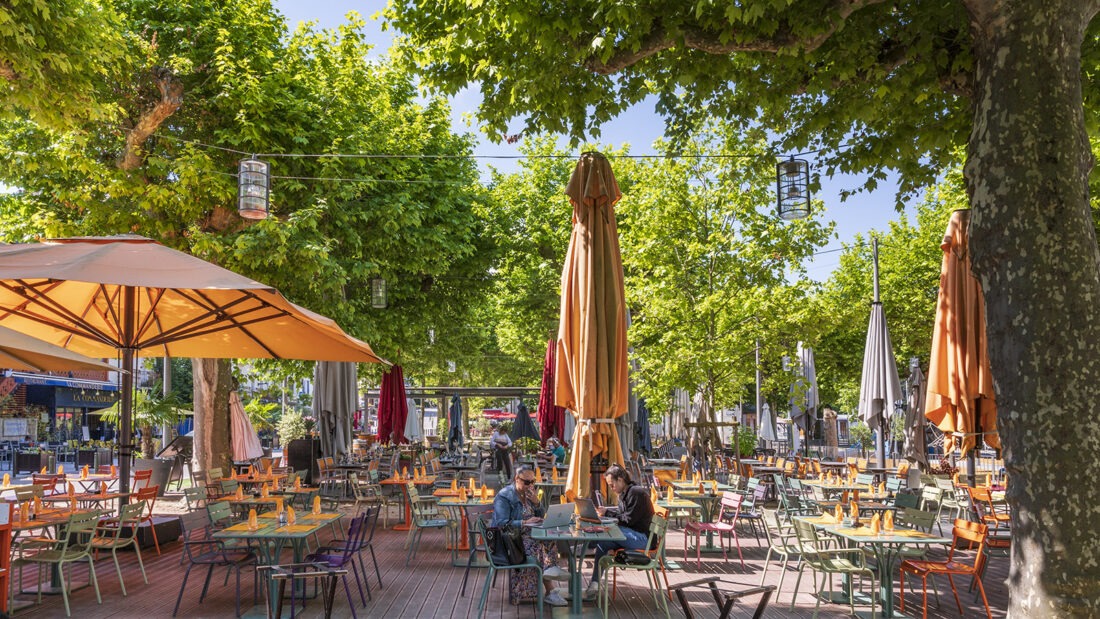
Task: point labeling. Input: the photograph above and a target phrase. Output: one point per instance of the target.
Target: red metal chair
(723, 525)
(149, 495)
(142, 479)
(964, 533)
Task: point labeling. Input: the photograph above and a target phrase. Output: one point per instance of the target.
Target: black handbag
(631, 557)
(506, 545)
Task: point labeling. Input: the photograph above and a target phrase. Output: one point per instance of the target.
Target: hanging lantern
(792, 179)
(378, 293)
(253, 188)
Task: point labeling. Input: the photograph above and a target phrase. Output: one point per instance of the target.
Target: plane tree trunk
(1034, 249)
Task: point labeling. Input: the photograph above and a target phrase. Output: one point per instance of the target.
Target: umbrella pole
(126, 404)
(971, 457)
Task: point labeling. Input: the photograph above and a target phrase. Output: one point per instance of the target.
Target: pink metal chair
(724, 525)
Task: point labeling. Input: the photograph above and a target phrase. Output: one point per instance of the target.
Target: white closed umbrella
(246, 444)
(414, 422)
(767, 424)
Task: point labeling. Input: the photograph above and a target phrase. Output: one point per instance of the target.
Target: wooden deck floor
(430, 587)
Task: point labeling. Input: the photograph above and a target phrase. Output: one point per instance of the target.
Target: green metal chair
(657, 528)
(195, 497)
(424, 516)
(71, 546)
(783, 542)
(820, 558)
(494, 567)
(120, 533)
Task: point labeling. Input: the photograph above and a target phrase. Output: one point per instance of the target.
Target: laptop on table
(558, 515)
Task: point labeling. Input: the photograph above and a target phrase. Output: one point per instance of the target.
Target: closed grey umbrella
(915, 448)
(524, 427)
(454, 423)
(879, 387)
(803, 407)
(334, 404)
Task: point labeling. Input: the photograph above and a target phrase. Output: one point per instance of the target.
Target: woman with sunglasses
(517, 504)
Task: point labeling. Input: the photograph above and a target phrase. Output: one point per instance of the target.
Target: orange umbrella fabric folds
(591, 372)
(960, 383)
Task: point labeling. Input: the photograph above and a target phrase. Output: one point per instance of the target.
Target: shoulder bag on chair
(631, 557)
(506, 545)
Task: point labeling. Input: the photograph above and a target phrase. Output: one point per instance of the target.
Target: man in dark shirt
(634, 513)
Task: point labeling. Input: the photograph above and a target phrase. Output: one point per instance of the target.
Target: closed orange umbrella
(960, 398)
(591, 372)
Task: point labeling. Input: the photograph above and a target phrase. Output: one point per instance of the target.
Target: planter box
(94, 457)
(301, 455)
(31, 462)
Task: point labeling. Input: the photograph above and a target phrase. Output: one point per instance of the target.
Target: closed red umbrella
(393, 409)
(551, 416)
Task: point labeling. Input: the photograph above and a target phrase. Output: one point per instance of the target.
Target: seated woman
(556, 448)
(517, 504)
(634, 513)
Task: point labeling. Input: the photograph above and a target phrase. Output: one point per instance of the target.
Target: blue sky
(639, 127)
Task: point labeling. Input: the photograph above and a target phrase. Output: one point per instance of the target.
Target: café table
(886, 547)
(550, 489)
(46, 519)
(87, 500)
(92, 482)
(459, 511)
(256, 480)
(403, 485)
(578, 539)
(270, 538)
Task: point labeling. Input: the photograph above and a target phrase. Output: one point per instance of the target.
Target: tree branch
(7, 71)
(660, 39)
(171, 97)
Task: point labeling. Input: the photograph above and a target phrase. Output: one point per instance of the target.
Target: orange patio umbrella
(960, 398)
(591, 366)
(130, 296)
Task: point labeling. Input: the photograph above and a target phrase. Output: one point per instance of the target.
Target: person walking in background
(501, 444)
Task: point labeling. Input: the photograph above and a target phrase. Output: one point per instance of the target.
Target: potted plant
(301, 452)
(526, 445)
(150, 410)
(746, 441)
(860, 435)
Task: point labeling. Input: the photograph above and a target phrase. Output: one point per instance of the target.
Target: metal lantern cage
(792, 178)
(253, 188)
(378, 293)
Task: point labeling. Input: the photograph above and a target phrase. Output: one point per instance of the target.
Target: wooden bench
(723, 599)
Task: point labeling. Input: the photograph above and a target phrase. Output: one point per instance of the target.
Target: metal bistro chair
(71, 546)
(342, 555)
(656, 541)
(730, 507)
(195, 497)
(820, 558)
(965, 532)
(494, 567)
(201, 549)
(120, 533)
(422, 518)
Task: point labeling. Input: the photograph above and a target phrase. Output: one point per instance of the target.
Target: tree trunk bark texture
(213, 446)
(1034, 250)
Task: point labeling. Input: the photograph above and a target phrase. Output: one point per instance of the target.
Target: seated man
(634, 513)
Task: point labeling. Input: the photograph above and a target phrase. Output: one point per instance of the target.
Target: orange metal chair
(142, 479)
(982, 501)
(964, 533)
(149, 495)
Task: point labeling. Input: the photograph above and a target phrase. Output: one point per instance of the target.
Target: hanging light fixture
(378, 293)
(253, 188)
(792, 180)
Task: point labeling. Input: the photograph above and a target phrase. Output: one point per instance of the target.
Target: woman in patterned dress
(516, 504)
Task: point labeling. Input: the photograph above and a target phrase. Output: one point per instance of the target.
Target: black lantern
(378, 293)
(253, 188)
(792, 181)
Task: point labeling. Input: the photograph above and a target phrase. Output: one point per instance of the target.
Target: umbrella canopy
(454, 423)
(414, 421)
(642, 440)
(23, 352)
(551, 416)
(393, 408)
(879, 386)
(335, 395)
(591, 366)
(246, 444)
(766, 424)
(523, 426)
(101, 296)
(960, 384)
(915, 449)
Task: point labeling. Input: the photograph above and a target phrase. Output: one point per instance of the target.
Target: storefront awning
(27, 378)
